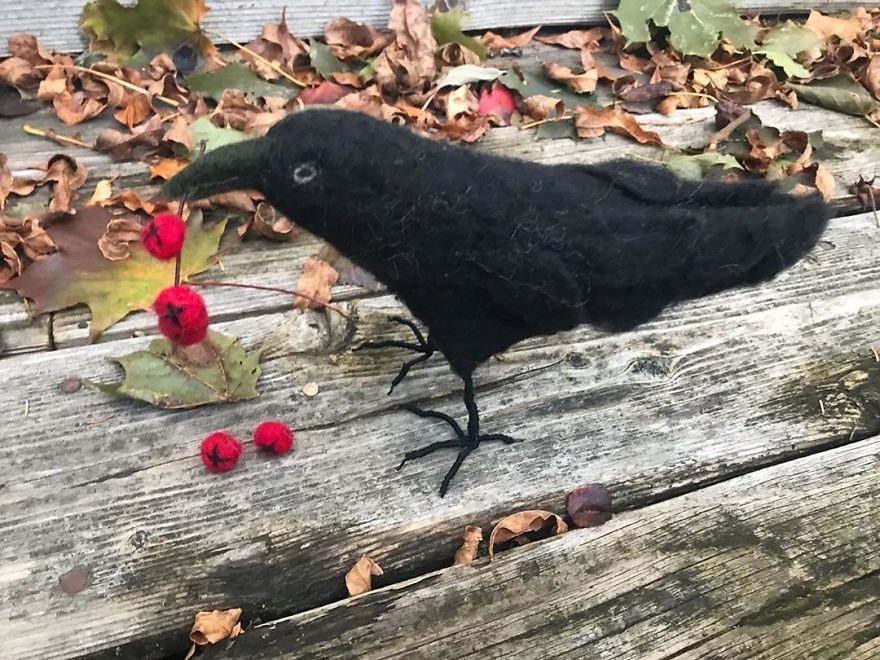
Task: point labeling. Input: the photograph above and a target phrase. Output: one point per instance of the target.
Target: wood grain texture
(778, 564)
(55, 21)
(711, 388)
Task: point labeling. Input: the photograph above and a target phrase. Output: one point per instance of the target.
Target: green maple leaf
(446, 26)
(235, 76)
(79, 274)
(695, 26)
(218, 370)
(150, 25)
(782, 44)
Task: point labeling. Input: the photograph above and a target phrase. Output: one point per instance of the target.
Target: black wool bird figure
(486, 251)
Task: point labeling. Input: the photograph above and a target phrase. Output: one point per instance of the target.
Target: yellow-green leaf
(79, 274)
(218, 370)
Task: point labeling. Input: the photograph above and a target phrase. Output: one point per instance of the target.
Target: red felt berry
(274, 436)
(220, 452)
(497, 102)
(183, 317)
(163, 236)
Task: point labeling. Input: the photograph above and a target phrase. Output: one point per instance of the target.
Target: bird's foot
(463, 442)
(423, 346)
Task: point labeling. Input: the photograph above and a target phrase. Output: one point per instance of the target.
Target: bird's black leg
(424, 346)
(465, 442)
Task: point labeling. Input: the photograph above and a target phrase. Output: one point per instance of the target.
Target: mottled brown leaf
(589, 506)
(349, 39)
(273, 225)
(408, 62)
(825, 27)
(593, 122)
(315, 282)
(68, 176)
(75, 108)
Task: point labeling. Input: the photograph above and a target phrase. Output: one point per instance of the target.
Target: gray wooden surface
(714, 389)
(55, 21)
(780, 563)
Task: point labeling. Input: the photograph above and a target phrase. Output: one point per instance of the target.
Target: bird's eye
(305, 172)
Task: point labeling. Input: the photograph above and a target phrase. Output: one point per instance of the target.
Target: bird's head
(291, 165)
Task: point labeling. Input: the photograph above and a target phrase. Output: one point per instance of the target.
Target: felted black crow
(486, 251)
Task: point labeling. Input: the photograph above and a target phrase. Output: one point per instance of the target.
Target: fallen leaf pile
(171, 92)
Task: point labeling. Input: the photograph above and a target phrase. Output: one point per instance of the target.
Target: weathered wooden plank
(18, 332)
(781, 563)
(852, 150)
(711, 388)
(55, 22)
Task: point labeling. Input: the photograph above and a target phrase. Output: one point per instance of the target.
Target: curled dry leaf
(825, 27)
(593, 122)
(468, 550)
(540, 107)
(359, 580)
(494, 41)
(408, 61)
(525, 526)
(349, 39)
(75, 108)
(317, 279)
(577, 82)
(270, 223)
(574, 38)
(68, 176)
(115, 243)
(275, 44)
(165, 168)
(215, 626)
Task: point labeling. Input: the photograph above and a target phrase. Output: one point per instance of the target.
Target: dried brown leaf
(315, 282)
(578, 82)
(215, 626)
(277, 45)
(51, 87)
(115, 243)
(103, 192)
(589, 506)
(76, 108)
(135, 109)
(593, 122)
(468, 550)
(68, 176)
(494, 41)
(359, 580)
(452, 54)
(273, 225)
(574, 38)
(518, 526)
(349, 39)
(829, 26)
(540, 107)
(871, 77)
(408, 62)
(165, 168)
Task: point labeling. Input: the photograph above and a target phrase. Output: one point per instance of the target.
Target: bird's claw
(422, 345)
(464, 443)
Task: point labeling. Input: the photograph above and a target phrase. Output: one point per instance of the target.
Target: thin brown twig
(119, 81)
(274, 289)
(277, 69)
(30, 130)
(727, 131)
(548, 120)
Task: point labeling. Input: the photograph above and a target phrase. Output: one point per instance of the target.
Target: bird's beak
(238, 166)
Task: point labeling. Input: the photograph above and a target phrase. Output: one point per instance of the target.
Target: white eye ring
(305, 172)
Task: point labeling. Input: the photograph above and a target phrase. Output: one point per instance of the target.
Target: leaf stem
(277, 69)
(269, 288)
(106, 76)
(30, 130)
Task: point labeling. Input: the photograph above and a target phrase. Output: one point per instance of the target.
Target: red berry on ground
(183, 317)
(274, 436)
(497, 102)
(163, 236)
(220, 452)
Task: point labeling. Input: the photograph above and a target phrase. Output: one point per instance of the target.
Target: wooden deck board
(780, 563)
(709, 389)
(55, 21)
